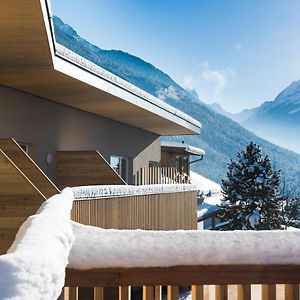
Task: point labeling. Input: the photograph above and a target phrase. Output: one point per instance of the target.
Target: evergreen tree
(251, 193)
(292, 212)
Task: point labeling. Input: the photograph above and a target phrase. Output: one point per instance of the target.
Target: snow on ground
(99, 191)
(34, 267)
(209, 194)
(209, 205)
(110, 248)
(204, 184)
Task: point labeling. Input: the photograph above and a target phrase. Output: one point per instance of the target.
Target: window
(182, 163)
(120, 165)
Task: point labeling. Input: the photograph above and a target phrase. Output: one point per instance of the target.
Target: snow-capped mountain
(285, 109)
(221, 137)
(279, 120)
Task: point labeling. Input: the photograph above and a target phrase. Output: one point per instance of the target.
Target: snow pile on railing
(100, 191)
(100, 248)
(34, 267)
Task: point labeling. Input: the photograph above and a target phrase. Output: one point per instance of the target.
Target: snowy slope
(279, 120)
(204, 184)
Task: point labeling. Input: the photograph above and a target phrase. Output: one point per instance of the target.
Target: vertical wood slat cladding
(165, 211)
(19, 198)
(75, 168)
(31, 170)
(160, 175)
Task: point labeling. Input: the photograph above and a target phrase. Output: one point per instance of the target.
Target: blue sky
(238, 53)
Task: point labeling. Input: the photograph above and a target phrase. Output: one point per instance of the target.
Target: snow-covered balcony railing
(122, 258)
(151, 207)
(34, 266)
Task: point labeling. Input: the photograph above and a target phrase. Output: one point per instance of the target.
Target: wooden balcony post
(98, 293)
(71, 293)
(157, 292)
(123, 293)
(268, 291)
(244, 292)
(197, 292)
(291, 291)
(173, 292)
(213, 223)
(148, 292)
(221, 292)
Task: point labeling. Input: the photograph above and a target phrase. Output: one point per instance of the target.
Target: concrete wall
(50, 126)
(151, 153)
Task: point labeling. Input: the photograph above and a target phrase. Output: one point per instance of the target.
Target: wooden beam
(186, 275)
(71, 293)
(221, 292)
(148, 292)
(98, 293)
(157, 292)
(291, 291)
(173, 292)
(197, 292)
(268, 292)
(123, 293)
(244, 292)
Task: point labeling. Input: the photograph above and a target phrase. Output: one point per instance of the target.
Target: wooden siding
(31, 170)
(165, 211)
(19, 198)
(160, 175)
(75, 168)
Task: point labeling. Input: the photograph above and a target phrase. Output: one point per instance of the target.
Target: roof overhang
(31, 61)
(182, 148)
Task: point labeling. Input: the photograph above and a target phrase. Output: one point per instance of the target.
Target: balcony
(243, 269)
(218, 282)
(161, 175)
(224, 264)
(216, 265)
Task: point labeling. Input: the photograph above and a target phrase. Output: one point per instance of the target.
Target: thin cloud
(209, 82)
(238, 47)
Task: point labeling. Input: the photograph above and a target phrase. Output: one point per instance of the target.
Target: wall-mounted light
(49, 158)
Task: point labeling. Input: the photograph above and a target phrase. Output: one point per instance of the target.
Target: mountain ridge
(221, 137)
(277, 121)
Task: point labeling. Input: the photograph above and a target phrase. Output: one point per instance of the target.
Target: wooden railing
(160, 175)
(161, 211)
(199, 278)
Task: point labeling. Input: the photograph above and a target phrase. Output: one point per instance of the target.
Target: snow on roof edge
(77, 59)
